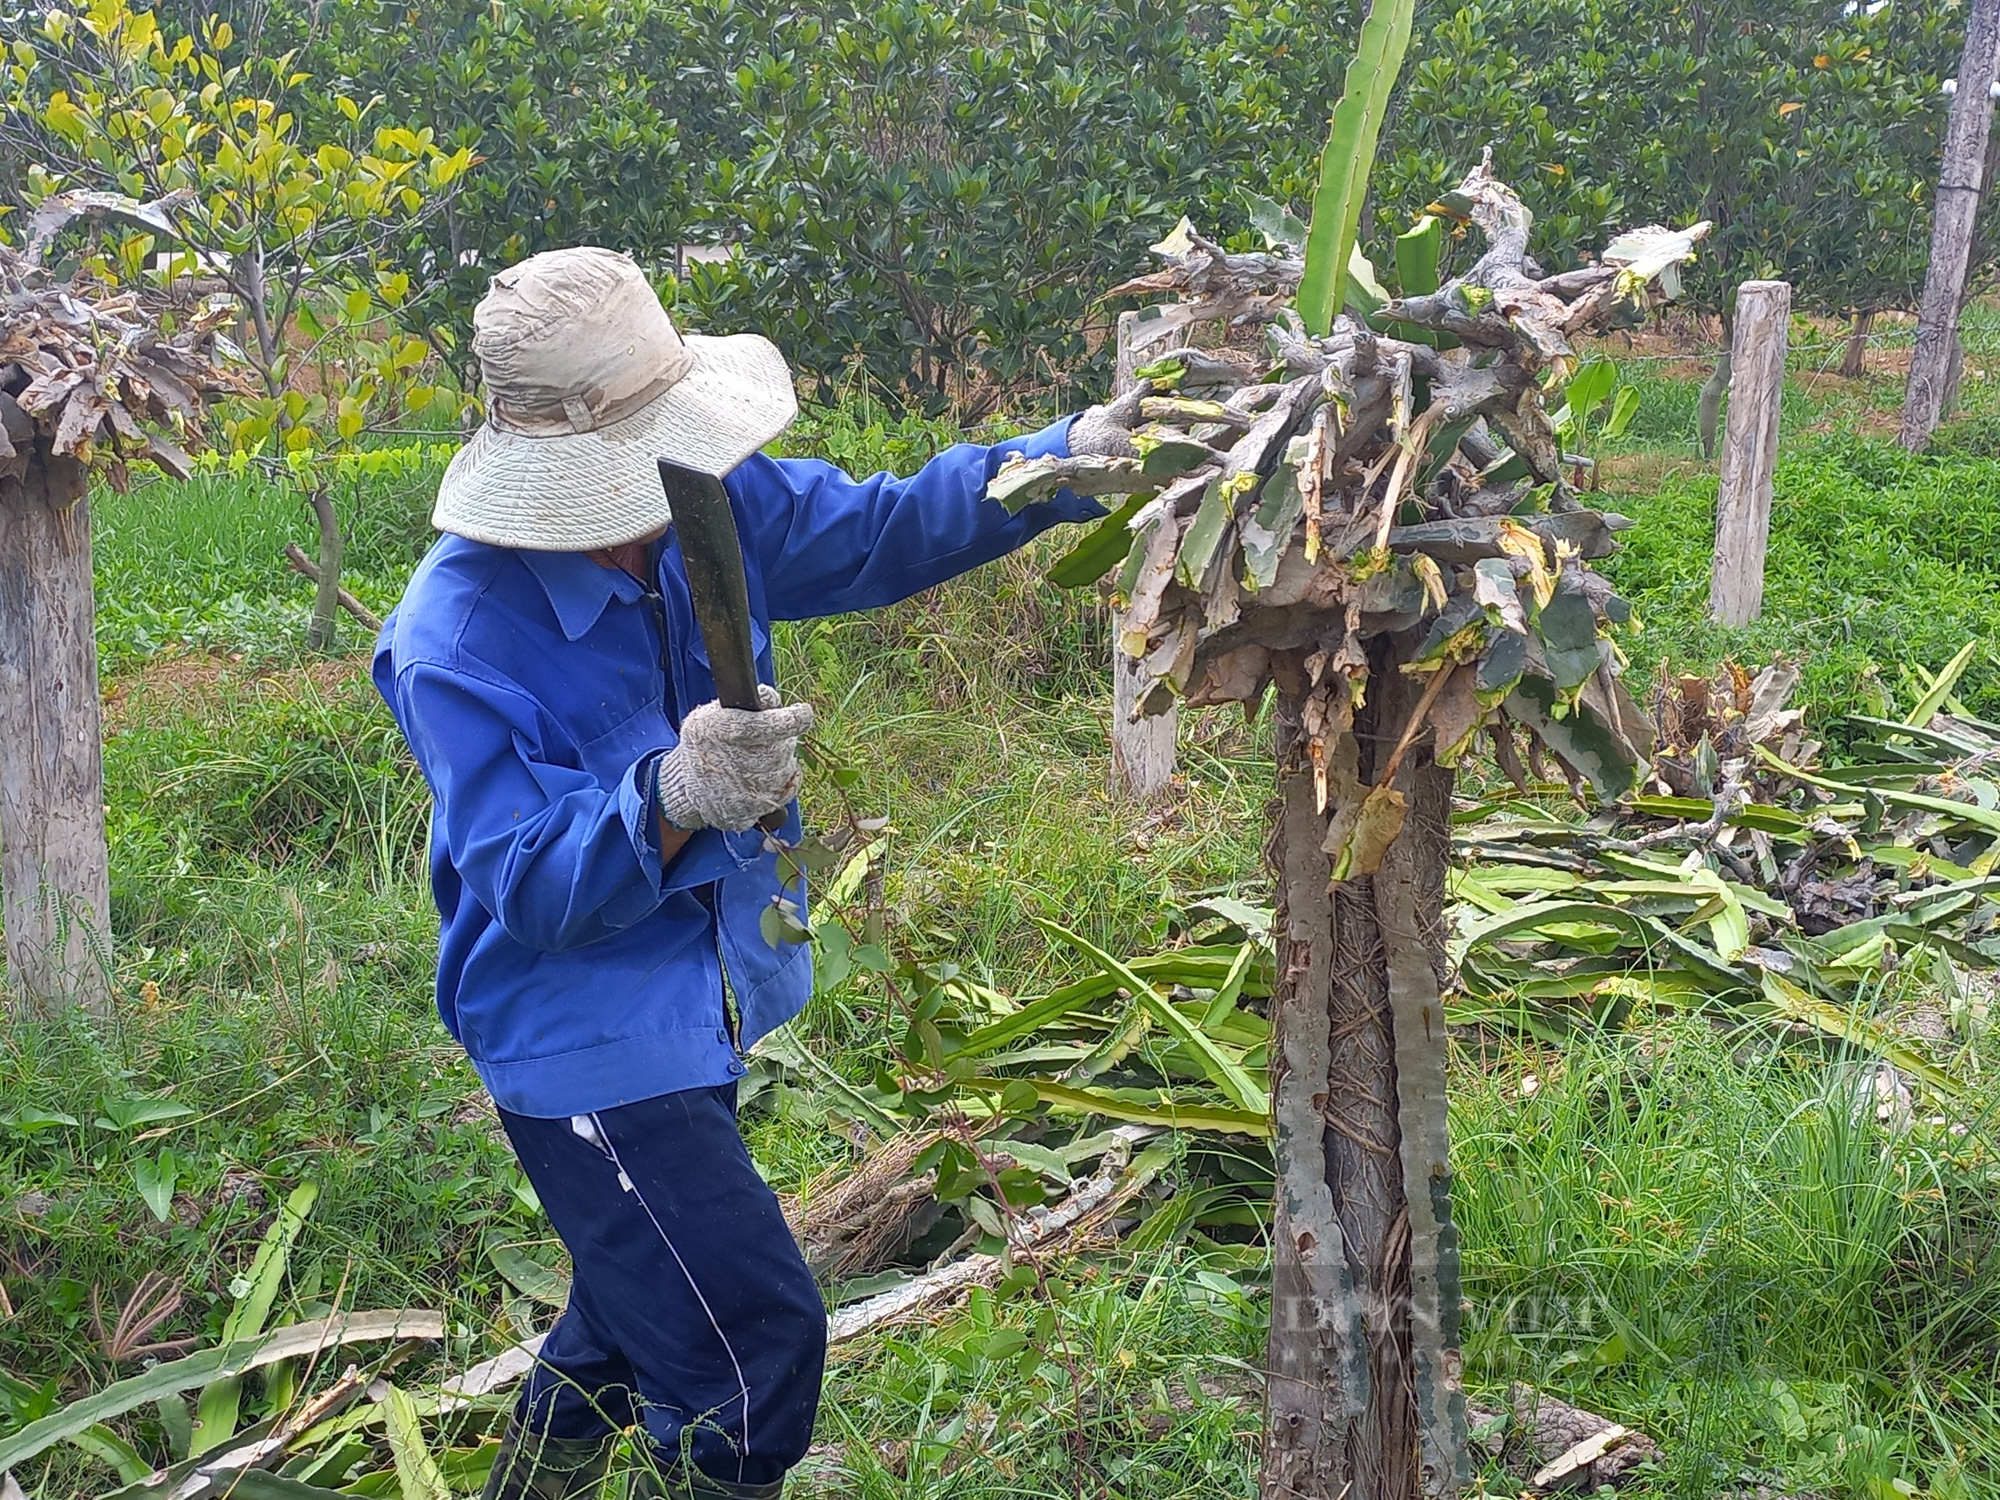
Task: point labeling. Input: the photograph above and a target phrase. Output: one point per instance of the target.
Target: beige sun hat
(587, 384)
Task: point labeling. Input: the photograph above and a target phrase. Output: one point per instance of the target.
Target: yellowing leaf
(446, 169)
(1519, 541)
(1787, 108)
(1375, 830)
(1428, 574)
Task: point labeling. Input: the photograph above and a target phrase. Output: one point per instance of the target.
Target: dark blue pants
(692, 1310)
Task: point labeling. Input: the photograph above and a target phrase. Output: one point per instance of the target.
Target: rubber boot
(531, 1467)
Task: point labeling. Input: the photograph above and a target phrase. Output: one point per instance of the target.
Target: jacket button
(735, 1069)
(722, 1035)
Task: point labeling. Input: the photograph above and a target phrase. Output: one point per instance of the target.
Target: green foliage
(1876, 559)
(294, 223)
(593, 123)
(945, 190)
(300, 226)
(941, 190)
(1807, 132)
(1598, 404)
(939, 194)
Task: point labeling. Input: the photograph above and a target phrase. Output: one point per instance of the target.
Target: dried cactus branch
(1385, 488)
(107, 377)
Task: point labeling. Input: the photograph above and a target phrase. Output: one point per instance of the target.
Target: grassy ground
(1677, 1227)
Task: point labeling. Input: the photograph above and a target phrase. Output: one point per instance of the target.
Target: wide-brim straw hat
(588, 384)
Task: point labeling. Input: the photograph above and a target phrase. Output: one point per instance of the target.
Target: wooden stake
(1854, 359)
(54, 866)
(1750, 450)
(1142, 749)
(1961, 183)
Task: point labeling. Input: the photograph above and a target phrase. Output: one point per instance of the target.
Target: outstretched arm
(830, 543)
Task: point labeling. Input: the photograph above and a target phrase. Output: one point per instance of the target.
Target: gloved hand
(1106, 431)
(733, 765)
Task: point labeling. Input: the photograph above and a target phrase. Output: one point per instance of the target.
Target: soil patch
(201, 682)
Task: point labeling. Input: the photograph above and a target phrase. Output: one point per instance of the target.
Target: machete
(706, 528)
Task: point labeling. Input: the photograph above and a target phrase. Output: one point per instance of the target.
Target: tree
(1961, 186)
(933, 196)
(297, 228)
(591, 123)
(936, 195)
(91, 378)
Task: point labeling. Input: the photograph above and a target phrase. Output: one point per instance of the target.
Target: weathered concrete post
(1142, 749)
(1750, 450)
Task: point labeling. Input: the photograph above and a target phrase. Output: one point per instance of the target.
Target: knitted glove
(733, 765)
(1106, 431)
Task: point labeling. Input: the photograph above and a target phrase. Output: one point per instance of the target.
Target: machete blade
(706, 528)
(713, 553)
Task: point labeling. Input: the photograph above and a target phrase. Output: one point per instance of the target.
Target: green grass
(201, 566)
(1877, 560)
(1679, 1227)
(1695, 1228)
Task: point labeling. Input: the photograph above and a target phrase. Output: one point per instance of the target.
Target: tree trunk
(54, 869)
(323, 632)
(1954, 371)
(1364, 1400)
(1954, 366)
(1961, 182)
(1854, 359)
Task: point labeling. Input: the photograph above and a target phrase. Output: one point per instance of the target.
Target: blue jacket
(537, 689)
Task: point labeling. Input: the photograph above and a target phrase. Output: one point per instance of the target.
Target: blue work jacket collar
(579, 587)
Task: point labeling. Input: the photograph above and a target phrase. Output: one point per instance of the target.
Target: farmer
(594, 856)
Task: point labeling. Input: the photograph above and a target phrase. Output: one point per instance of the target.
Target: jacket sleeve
(559, 858)
(830, 543)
